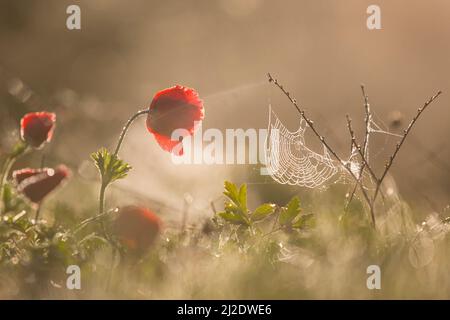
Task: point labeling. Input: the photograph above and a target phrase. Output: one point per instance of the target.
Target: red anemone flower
(137, 227)
(20, 175)
(37, 128)
(36, 184)
(171, 109)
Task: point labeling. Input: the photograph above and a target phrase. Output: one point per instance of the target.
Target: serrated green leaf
(237, 196)
(243, 197)
(231, 207)
(305, 221)
(231, 192)
(111, 168)
(263, 211)
(231, 217)
(290, 212)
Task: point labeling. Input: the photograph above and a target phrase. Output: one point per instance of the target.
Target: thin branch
(213, 207)
(320, 137)
(360, 151)
(361, 171)
(351, 196)
(402, 140)
(303, 115)
(368, 121)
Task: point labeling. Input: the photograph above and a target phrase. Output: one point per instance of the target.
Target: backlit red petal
(37, 186)
(37, 128)
(171, 109)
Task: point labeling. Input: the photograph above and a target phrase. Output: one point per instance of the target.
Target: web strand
(290, 161)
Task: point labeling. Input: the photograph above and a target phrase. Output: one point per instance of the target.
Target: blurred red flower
(22, 174)
(137, 227)
(37, 128)
(36, 184)
(171, 109)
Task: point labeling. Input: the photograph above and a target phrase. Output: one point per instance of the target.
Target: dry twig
(363, 151)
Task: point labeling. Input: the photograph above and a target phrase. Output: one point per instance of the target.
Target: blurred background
(321, 50)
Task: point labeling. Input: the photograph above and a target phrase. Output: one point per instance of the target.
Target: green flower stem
(104, 184)
(18, 150)
(102, 198)
(102, 208)
(126, 127)
(38, 211)
(4, 176)
(87, 221)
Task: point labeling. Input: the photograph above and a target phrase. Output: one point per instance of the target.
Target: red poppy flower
(36, 184)
(37, 128)
(137, 228)
(171, 109)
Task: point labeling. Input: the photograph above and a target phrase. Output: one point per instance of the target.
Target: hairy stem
(126, 127)
(102, 207)
(104, 184)
(102, 198)
(38, 211)
(86, 222)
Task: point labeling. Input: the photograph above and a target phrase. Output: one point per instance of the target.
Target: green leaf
(243, 198)
(305, 221)
(111, 168)
(231, 192)
(263, 211)
(290, 212)
(237, 197)
(231, 207)
(233, 218)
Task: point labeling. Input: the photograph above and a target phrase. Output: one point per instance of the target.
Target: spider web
(290, 161)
